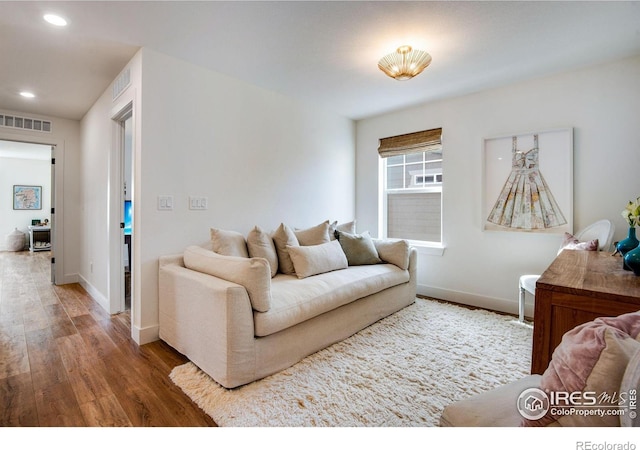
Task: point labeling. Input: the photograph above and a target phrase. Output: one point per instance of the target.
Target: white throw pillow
(260, 245)
(229, 243)
(252, 273)
(347, 227)
(395, 252)
(283, 237)
(316, 235)
(315, 259)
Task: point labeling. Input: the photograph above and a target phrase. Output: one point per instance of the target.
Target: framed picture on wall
(27, 197)
(528, 182)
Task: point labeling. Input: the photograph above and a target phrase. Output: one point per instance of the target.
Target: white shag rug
(401, 371)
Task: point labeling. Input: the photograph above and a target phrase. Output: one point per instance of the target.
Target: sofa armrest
(252, 273)
(208, 319)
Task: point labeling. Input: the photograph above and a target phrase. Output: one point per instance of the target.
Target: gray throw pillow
(359, 248)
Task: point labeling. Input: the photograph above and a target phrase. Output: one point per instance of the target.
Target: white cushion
(282, 237)
(229, 243)
(393, 251)
(315, 259)
(348, 227)
(252, 273)
(295, 300)
(260, 245)
(315, 235)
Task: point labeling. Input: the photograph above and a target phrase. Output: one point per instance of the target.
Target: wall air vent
(121, 83)
(25, 123)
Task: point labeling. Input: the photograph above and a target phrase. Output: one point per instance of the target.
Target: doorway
(121, 223)
(127, 212)
(27, 171)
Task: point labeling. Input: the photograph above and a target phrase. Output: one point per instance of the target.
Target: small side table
(39, 238)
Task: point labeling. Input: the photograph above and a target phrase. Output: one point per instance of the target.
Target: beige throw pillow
(394, 252)
(314, 235)
(260, 245)
(228, 243)
(315, 259)
(252, 273)
(348, 227)
(283, 237)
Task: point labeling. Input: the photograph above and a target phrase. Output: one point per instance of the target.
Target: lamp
(405, 63)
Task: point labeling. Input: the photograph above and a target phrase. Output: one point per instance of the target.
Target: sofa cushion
(316, 235)
(314, 259)
(228, 243)
(592, 357)
(252, 273)
(359, 248)
(260, 245)
(282, 237)
(295, 300)
(349, 227)
(393, 251)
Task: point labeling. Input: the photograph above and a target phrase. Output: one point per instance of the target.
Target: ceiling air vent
(121, 83)
(25, 123)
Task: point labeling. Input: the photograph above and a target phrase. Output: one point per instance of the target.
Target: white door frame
(115, 214)
(57, 230)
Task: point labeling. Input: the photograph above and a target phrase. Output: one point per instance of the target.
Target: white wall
(32, 172)
(65, 135)
(260, 159)
(482, 268)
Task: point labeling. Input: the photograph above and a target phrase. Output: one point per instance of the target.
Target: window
(412, 186)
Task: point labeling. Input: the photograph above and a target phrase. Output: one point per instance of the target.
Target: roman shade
(418, 142)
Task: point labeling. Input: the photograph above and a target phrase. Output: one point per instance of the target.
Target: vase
(629, 243)
(632, 261)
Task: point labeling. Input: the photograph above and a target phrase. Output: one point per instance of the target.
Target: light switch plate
(197, 203)
(165, 203)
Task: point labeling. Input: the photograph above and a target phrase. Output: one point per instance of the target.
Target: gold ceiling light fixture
(405, 63)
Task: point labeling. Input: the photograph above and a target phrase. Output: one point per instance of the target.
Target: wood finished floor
(64, 361)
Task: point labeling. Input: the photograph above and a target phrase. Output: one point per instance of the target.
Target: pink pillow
(570, 242)
(591, 358)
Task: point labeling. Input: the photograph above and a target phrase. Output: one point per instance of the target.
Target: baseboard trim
(94, 293)
(145, 335)
(479, 301)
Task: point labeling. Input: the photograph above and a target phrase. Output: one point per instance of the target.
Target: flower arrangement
(632, 213)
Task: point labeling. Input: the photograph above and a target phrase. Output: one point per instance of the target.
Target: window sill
(428, 248)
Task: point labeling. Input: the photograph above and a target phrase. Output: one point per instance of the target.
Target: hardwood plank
(105, 412)
(85, 378)
(14, 358)
(57, 406)
(17, 402)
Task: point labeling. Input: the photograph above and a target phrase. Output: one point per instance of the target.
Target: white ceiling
(322, 52)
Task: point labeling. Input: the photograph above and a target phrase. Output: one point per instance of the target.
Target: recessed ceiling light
(55, 20)
(27, 94)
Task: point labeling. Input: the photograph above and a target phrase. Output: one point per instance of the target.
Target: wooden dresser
(576, 288)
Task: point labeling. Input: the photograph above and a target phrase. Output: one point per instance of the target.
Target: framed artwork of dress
(528, 182)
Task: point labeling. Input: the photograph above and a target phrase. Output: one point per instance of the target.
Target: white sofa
(239, 320)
